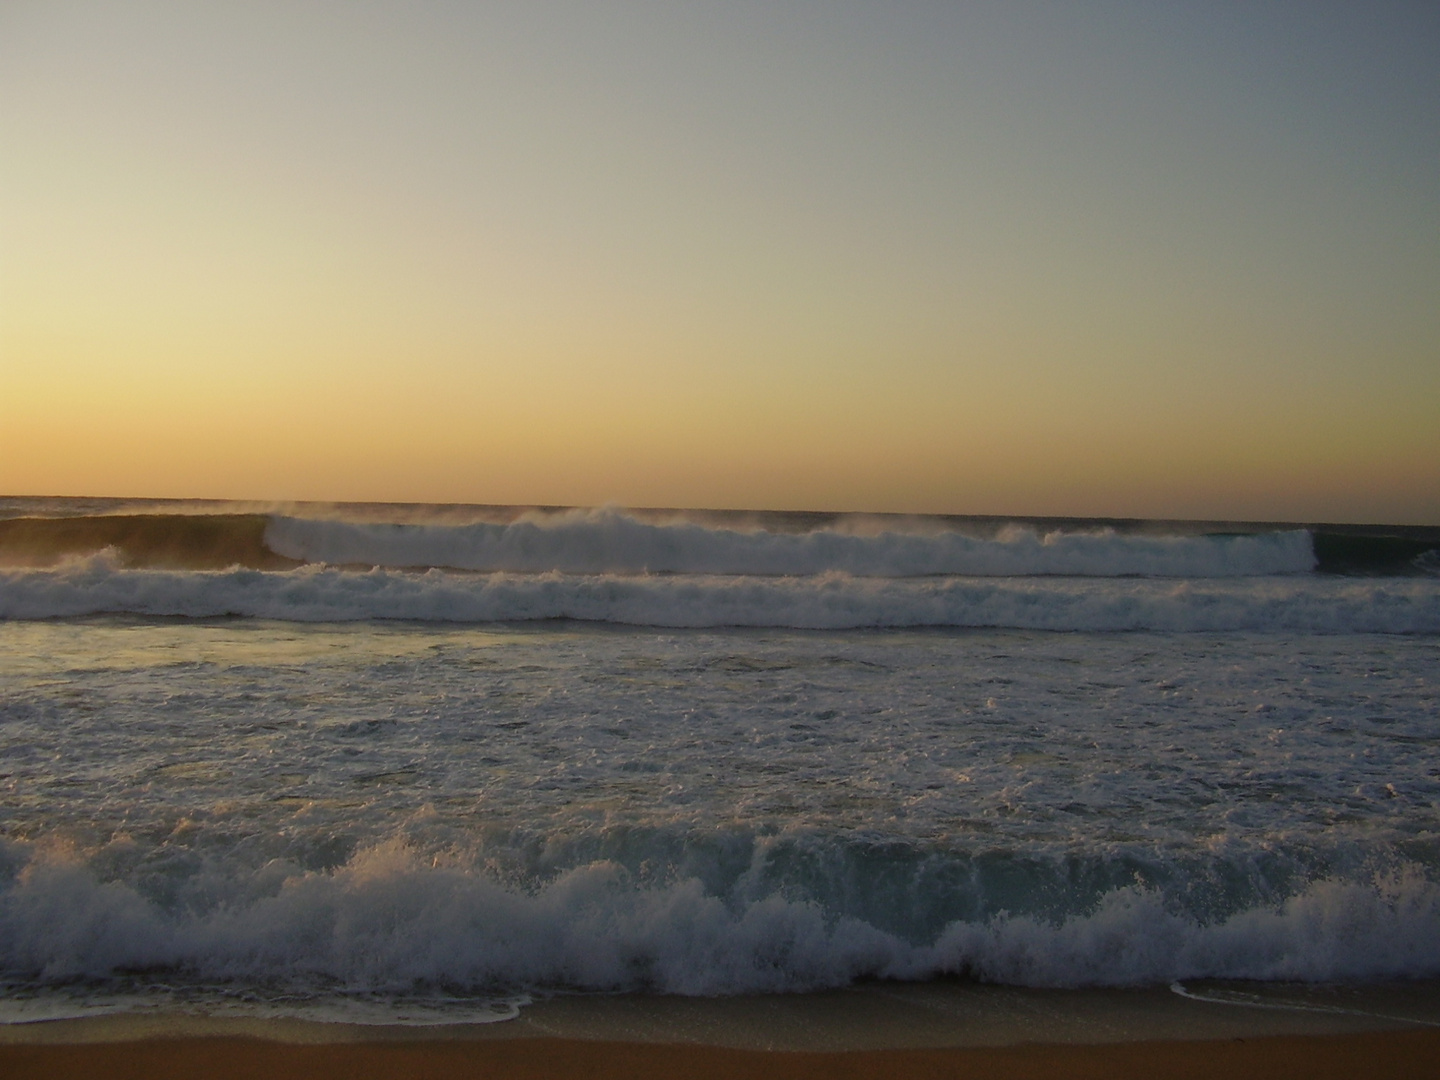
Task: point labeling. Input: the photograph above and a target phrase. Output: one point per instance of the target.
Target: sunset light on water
(583, 539)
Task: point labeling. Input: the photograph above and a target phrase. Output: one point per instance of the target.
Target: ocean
(423, 764)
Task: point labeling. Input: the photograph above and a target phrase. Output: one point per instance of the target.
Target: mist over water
(440, 762)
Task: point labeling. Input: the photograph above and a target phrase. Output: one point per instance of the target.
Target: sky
(1140, 259)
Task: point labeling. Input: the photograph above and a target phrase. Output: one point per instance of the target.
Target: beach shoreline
(868, 1015)
(1375, 1054)
(943, 1028)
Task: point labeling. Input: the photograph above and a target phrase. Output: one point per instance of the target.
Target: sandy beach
(928, 1030)
(1396, 1054)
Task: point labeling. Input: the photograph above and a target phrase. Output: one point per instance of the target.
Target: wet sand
(882, 1030)
(1391, 1054)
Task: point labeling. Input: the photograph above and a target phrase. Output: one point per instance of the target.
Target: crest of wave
(389, 921)
(822, 601)
(611, 541)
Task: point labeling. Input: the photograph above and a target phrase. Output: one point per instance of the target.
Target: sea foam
(610, 541)
(387, 922)
(824, 601)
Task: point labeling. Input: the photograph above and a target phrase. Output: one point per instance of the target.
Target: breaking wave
(827, 601)
(618, 542)
(613, 542)
(388, 921)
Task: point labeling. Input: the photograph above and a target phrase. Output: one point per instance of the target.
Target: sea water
(451, 757)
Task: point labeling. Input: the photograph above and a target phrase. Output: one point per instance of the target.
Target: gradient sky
(1131, 258)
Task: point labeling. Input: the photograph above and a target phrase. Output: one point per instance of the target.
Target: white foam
(387, 923)
(35, 1004)
(609, 541)
(1385, 928)
(827, 601)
